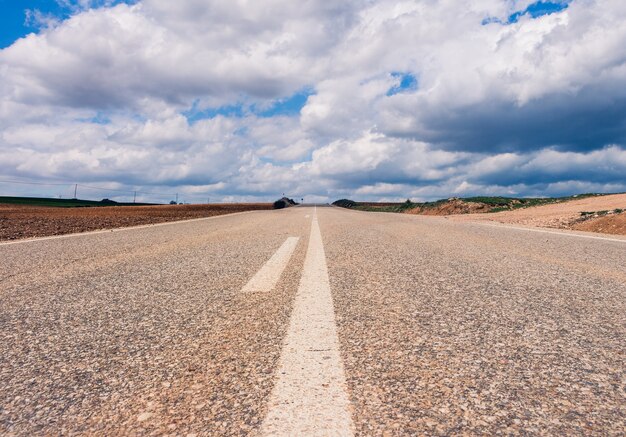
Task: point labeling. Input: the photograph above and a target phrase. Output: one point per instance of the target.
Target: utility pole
(208, 201)
(75, 190)
(176, 198)
(135, 198)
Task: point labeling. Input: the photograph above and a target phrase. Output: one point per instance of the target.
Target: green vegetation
(63, 203)
(285, 202)
(508, 203)
(490, 204)
(381, 207)
(345, 203)
(586, 215)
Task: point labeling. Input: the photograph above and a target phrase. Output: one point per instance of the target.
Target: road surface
(314, 321)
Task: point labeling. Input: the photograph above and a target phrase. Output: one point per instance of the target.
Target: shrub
(345, 203)
(280, 204)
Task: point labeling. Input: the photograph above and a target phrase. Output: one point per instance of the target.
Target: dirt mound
(563, 215)
(451, 207)
(19, 221)
(611, 224)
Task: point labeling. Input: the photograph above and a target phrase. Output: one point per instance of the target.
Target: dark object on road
(345, 203)
(285, 202)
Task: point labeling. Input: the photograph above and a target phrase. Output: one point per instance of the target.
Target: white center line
(310, 397)
(267, 277)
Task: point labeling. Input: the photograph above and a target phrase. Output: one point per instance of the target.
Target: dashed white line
(267, 277)
(310, 397)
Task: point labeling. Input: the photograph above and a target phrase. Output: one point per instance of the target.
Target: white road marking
(310, 397)
(544, 231)
(307, 216)
(128, 228)
(267, 277)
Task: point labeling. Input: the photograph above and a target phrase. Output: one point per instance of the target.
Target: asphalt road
(314, 321)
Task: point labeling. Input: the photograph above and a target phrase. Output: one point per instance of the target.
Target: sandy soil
(614, 224)
(19, 221)
(563, 215)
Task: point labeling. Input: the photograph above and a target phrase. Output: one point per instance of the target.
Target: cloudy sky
(364, 99)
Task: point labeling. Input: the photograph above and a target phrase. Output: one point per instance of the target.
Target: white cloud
(512, 108)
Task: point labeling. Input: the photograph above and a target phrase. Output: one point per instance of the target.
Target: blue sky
(533, 10)
(13, 18)
(367, 100)
(538, 9)
(289, 106)
(16, 21)
(406, 82)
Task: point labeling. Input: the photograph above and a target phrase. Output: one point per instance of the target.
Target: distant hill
(455, 205)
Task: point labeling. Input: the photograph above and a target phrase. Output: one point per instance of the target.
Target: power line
(33, 183)
(125, 191)
(129, 191)
(76, 186)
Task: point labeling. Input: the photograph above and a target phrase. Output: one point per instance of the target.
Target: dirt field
(18, 221)
(565, 215)
(614, 224)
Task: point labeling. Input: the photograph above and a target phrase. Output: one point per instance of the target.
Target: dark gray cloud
(585, 120)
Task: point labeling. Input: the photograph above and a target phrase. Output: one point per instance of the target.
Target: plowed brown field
(19, 221)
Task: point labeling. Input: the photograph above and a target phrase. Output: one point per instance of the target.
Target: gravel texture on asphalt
(144, 332)
(444, 327)
(455, 328)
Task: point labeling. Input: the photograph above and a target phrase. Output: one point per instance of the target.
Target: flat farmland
(22, 221)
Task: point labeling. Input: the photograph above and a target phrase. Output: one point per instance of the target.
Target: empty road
(314, 321)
